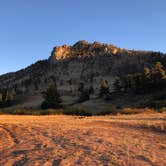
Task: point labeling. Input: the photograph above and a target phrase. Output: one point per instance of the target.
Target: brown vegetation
(67, 140)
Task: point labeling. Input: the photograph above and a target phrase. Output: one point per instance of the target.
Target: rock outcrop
(83, 62)
(83, 49)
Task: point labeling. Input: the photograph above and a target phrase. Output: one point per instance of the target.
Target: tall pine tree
(52, 98)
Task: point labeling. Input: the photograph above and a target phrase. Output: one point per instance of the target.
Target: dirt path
(65, 140)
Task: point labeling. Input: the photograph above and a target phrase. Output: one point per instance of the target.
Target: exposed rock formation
(84, 62)
(83, 49)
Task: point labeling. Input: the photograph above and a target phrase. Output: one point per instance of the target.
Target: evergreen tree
(52, 98)
(9, 96)
(81, 87)
(1, 98)
(91, 90)
(138, 83)
(4, 95)
(146, 82)
(128, 83)
(104, 88)
(158, 74)
(117, 84)
(84, 96)
(147, 71)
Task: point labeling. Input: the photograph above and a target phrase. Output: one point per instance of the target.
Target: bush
(55, 111)
(77, 111)
(136, 110)
(160, 96)
(104, 88)
(21, 111)
(109, 111)
(128, 111)
(84, 96)
(161, 110)
(157, 104)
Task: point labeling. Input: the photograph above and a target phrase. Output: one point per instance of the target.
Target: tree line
(6, 98)
(150, 80)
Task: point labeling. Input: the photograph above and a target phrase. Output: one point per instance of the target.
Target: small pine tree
(52, 98)
(104, 88)
(146, 71)
(128, 83)
(1, 100)
(4, 95)
(84, 96)
(81, 87)
(9, 96)
(91, 90)
(117, 85)
(158, 71)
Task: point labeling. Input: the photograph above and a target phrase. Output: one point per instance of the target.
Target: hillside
(84, 62)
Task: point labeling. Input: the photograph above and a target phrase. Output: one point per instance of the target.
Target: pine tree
(104, 88)
(117, 85)
(158, 76)
(128, 83)
(52, 98)
(91, 90)
(1, 100)
(81, 87)
(9, 96)
(84, 96)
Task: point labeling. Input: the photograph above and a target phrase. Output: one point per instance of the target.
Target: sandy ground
(66, 140)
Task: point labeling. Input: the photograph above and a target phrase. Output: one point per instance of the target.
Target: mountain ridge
(84, 48)
(82, 62)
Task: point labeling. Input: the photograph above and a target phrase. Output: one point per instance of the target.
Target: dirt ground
(71, 141)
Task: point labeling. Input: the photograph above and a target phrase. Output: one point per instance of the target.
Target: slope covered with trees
(89, 64)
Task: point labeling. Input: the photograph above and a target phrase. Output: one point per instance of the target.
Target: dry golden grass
(122, 140)
(146, 120)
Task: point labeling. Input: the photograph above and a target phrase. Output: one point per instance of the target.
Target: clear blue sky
(29, 29)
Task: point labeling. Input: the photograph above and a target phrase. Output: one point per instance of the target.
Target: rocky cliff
(83, 62)
(83, 49)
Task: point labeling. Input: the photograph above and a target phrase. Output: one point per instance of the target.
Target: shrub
(117, 85)
(128, 111)
(157, 104)
(104, 88)
(6, 98)
(17, 111)
(54, 111)
(84, 96)
(136, 110)
(161, 110)
(21, 111)
(161, 96)
(1, 98)
(9, 96)
(77, 111)
(81, 87)
(109, 111)
(91, 90)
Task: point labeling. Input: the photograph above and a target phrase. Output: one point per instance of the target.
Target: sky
(29, 29)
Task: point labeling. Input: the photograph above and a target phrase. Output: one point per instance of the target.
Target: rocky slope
(84, 62)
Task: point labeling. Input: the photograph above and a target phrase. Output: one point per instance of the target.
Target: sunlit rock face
(61, 52)
(82, 49)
